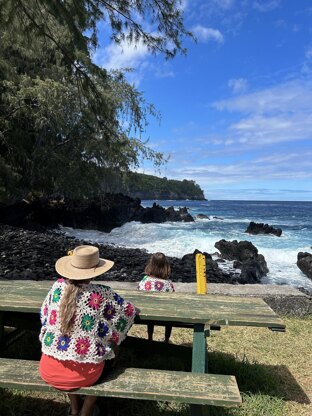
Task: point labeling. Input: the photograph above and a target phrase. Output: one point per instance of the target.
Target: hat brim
(64, 268)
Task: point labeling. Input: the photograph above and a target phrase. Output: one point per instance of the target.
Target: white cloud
(263, 130)
(306, 69)
(264, 7)
(293, 96)
(121, 56)
(308, 53)
(259, 120)
(163, 73)
(274, 167)
(136, 57)
(224, 4)
(238, 85)
(206, 34)
(203, 9)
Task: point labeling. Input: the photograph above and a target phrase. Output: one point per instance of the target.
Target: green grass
(273, 372)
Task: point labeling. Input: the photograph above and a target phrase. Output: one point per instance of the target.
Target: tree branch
(149, 39)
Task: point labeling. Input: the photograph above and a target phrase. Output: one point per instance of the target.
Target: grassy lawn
(273, 371)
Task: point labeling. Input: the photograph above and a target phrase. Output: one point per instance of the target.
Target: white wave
(177, 239)
(283, 267)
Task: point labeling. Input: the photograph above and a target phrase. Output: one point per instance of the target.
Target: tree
(61, 116)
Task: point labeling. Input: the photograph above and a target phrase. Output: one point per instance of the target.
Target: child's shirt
(154, 284)
(101, 321)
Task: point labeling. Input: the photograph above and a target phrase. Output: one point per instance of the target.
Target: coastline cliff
(142, 186)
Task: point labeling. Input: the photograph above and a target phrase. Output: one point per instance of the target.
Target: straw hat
(84, 263)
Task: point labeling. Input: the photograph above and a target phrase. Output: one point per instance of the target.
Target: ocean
(227, 220)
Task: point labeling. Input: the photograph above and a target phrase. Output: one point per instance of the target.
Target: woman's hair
(158, 266)
(68, 305)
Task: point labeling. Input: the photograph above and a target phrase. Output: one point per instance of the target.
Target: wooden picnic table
(20, 299)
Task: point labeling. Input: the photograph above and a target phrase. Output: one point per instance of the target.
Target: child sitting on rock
(157, 280)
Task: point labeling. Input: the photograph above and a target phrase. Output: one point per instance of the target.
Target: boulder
(260, 228)
(202, 217)
(214, 274)
(156, 214)
(304, 262)
(184, 215)
(253, 269)
(159, 214)
(234, 250)
(245, 256)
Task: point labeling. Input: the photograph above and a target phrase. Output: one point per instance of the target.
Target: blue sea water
(233, 217)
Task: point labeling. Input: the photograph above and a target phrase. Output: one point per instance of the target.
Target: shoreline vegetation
(149, 187)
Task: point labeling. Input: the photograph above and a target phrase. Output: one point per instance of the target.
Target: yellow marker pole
(201, 274)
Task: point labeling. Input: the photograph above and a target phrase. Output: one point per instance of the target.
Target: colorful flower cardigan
(153, 284)
(101, 321)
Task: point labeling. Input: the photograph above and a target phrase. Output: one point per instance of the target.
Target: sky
(236, 111)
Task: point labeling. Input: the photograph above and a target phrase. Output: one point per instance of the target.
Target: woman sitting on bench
(82, 325)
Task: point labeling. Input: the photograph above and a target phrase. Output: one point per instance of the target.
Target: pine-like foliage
(62, 118)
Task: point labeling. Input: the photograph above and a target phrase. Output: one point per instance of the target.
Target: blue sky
(236, 111)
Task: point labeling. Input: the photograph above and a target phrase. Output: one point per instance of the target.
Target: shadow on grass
(126, 407)
(256, 378)
(16, 404)
(261, 385)
(252, 377)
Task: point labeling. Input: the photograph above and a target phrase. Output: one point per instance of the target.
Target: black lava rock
(260, 228)
(245, 255)
(304, 262)
(29, 254)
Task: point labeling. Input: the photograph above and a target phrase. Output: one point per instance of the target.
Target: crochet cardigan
(154, 284)
(101, 321)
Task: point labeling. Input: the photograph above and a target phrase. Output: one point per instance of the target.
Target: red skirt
(69, 375)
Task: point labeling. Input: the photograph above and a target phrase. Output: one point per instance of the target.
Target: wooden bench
(134, 383)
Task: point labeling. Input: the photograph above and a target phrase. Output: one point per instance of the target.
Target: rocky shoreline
(31, 255)
(239, 262)
(103, 214)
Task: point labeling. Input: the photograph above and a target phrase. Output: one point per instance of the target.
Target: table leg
(199, 349)
(207, 334)
(199, 359)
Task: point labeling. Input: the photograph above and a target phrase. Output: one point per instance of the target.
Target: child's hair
(68, 305)
(158, 266)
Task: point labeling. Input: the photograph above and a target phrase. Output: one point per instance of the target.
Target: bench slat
(135, 383)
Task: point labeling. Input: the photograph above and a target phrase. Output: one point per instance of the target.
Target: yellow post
(201, 274)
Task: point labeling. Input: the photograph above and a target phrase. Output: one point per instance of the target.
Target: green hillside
(139, 185)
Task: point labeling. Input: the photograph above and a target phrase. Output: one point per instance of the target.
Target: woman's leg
(74, 404)
(150, 331)
(168, 332)
(88, 406)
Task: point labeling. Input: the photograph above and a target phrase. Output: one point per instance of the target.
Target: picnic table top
(27, 296)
